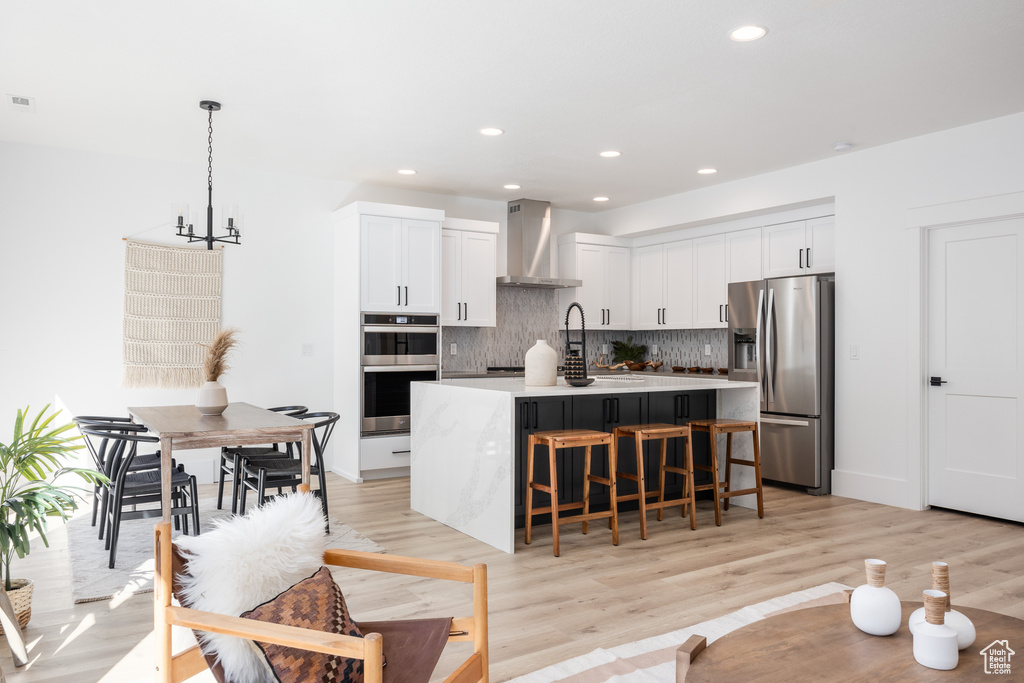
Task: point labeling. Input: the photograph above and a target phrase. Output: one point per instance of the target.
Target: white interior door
(975, 336)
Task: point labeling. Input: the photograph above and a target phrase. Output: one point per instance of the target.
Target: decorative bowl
(723, 371)
(580, 382)
(695, 369)
(707, 371)
(677, 368)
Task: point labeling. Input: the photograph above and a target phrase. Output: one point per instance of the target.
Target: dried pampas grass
(215, 363)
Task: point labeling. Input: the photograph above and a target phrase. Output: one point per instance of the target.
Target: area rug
(91, 579)
(654, 659)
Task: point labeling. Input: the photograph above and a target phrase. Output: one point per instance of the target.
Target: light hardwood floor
(545, 609)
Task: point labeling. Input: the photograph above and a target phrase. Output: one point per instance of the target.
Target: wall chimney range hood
(529, 247)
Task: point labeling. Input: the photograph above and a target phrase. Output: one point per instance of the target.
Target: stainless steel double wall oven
(396, 350)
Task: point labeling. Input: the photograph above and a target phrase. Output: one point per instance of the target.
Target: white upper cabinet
(743, 255)
(400, 261)
(663, 286)
(800, 248)
(605, 272)
(710, 291)
(468, 274)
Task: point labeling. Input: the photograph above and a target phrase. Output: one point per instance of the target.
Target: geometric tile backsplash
(525, 315)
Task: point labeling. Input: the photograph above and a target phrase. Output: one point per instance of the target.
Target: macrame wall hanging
(172, 300)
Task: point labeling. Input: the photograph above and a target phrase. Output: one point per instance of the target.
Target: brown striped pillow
(315, 603)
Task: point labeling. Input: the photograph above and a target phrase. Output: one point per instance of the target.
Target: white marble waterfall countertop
(516, 386)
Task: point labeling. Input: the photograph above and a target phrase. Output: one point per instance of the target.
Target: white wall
(873, 190)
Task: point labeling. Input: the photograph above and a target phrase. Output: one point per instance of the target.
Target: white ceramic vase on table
(935, 644)
(541, 365)
(958, 621)
(212, 398)
(874, 608)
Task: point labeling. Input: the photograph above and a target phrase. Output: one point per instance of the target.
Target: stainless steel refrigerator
(781, 335)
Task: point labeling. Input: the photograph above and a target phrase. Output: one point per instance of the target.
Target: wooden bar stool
(555, 441)
(713, 428)
(661, 432)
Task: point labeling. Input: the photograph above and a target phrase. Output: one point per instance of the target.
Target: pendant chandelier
(231, 216)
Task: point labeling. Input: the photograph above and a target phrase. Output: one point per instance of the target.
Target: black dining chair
(98, 450)
(132, 488)
(230, 457)
(260, 474)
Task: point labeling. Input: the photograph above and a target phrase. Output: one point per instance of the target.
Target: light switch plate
(453, 348)
(307, 349)
(707, 349)
(654, 349)
(854, 351)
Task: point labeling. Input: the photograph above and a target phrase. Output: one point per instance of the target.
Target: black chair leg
(112, 536)
(261, 487)
(241, 494)
(236, 476)
(194, 495)
(95, 502)
(220, 483)
(176, 502)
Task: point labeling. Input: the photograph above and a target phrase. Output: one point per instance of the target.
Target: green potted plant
(31, 465)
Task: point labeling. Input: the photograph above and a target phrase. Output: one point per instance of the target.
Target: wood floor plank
(545, 609)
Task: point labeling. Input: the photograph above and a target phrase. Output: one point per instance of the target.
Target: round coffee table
(822, 644)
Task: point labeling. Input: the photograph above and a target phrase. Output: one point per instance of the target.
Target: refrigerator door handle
(794, 423)
(759, 338)
(768, 369)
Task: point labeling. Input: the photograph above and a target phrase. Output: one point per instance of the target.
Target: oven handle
(399, 368)
(428, 329)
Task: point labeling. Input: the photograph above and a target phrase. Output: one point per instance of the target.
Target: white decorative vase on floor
(541, 365)
(874, 608)
(212, 398)
(934, 642)
(958, 621)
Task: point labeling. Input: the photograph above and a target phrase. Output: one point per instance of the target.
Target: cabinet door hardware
(721, 319)
(801, 258)
(605, 410)
(459, 309)
(616, 402)
(727, 313)
(936, 381)
(808, 257)
(406, 296)
(399, 302)
(686, 405)
(535, 415)
(524, 417)
(677, 406)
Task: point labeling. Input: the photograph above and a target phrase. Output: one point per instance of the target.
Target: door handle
(727, 313)
(769, 363)
(801, 258)
(399, 302)
(686, 405)
(808, 257)
(936, 381)
(778, 421)
(465, 311)
(524, 415)
(609, 316)
(720, 318)
(535, 415)
(406, 296)
(759, 340)
(616, 402)
(459, 307)
(677, 408)
(605, 411)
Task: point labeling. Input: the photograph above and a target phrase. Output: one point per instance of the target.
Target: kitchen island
(467, 457)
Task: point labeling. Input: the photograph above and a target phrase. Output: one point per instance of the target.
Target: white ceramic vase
(935, 644)
(212, 398)
(541, 365)
(958, 621)
(874, 608)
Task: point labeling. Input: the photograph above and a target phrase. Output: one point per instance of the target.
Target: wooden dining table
(184, 427)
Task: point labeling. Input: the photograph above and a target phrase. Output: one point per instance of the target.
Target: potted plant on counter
(31, 465)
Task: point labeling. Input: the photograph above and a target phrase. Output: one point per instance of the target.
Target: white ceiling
(354, 90)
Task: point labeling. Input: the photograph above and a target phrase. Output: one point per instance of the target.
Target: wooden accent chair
(400, 664)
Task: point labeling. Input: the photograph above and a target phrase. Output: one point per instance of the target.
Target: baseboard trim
(874, 489)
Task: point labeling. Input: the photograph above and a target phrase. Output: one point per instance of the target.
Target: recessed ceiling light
(707, 171)
(491, 131)
(407, 171)
(611, 154)
(745, 34)
(512, 186)
(600, 199)
(842, 146)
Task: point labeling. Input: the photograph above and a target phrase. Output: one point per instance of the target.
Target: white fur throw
(246, 561)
